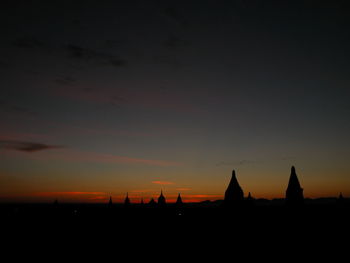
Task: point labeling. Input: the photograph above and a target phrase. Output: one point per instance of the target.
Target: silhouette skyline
(234, 195)
(172, 95)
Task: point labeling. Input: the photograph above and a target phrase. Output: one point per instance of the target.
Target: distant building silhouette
(161, 200)
(152, 203)
(250, 201)
(142, 203)
(110, 203)
(234, 193)
(179, 206)
(341, 200)
(127, 200)
(294, 193)
(179, 200)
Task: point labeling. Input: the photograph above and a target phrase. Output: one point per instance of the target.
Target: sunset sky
(100, 99)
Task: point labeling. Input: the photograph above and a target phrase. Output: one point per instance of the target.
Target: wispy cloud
(71, 155)
(162, 182)
(27, 42)
(67, 193)
(72, 196)
(234, 163)
(26, 146)
(83, 53)
(15, 109)
(65, 80)
(183, 189)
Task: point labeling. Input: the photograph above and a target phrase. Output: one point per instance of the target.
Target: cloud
(27, 42)
(162, 182)
(72, 196)
(175, 42)
(150, 98)
(175, 15)
(234, 163)
(71, 155)
(67, 193)
(67, 80)
(26, 146)
(15, 109)
(21, 136)
(82, 53)
(183, 189)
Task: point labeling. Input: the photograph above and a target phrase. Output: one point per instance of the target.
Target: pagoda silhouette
(127, 200)
(294, 193)
(179, 200)
(179, 206)
(234, 195)
(152, 203)
(161, 200)
(110, 203)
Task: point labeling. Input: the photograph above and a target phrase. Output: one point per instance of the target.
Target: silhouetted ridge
(234, 193)
(294, 193)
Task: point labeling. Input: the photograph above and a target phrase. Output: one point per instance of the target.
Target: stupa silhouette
(161, 200)
(234, 193)
(294, 193)
(127, 200)
(152, 203)
(179, 200)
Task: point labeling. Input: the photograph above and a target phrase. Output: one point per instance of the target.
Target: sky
(104, 98)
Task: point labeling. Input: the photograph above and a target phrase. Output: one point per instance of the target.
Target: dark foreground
(200, 229)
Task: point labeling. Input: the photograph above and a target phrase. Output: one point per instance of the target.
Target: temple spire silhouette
(294, 193)
(179, 200)
(234, 193)
(161, 200)
(127, 200)
(110, 203)
(179, 206)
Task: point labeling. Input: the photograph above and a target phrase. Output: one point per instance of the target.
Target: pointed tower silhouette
(110, 203)
(179, 206)
(179, 200)
(161, 200)
(294, 193)
(234, 193)
(127, 200)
